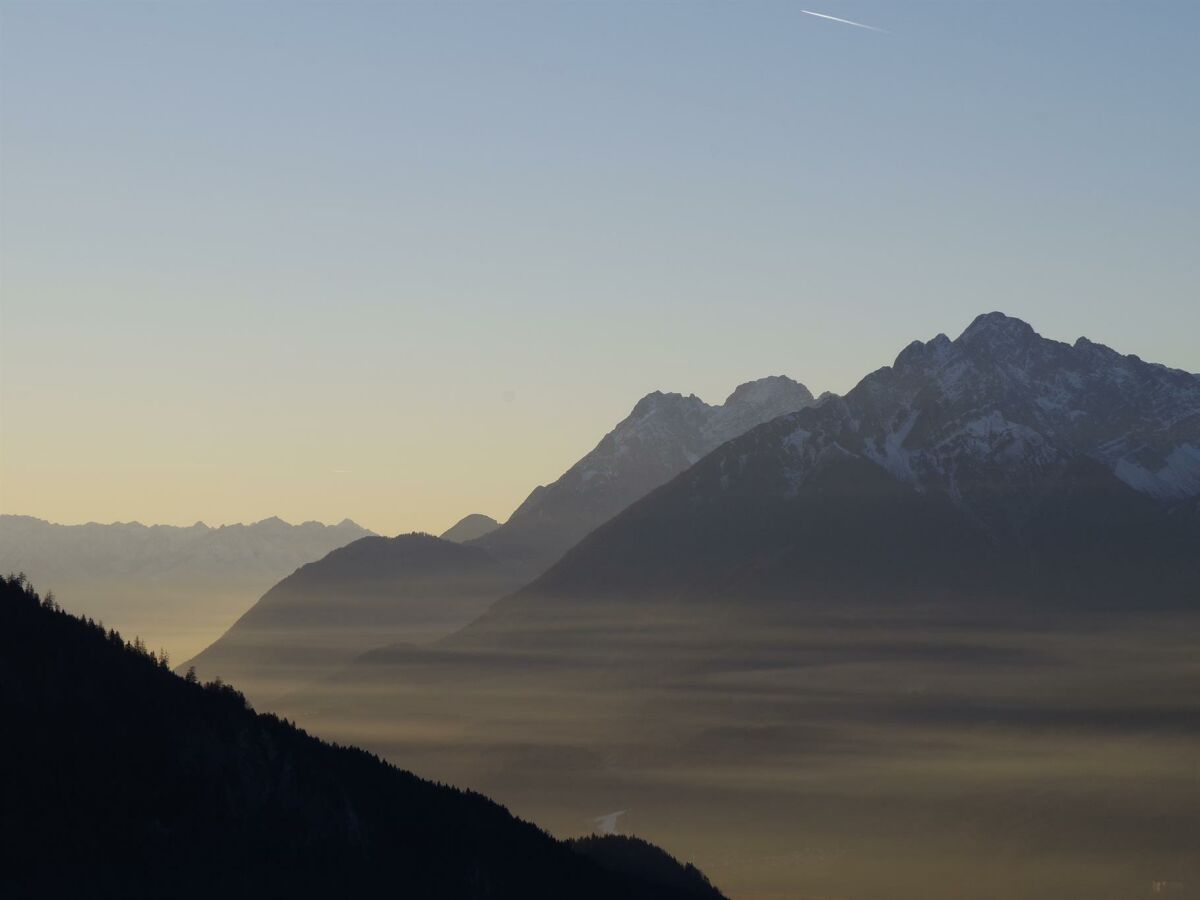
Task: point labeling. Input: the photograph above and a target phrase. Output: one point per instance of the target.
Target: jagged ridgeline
(997, 468)
(122, 779)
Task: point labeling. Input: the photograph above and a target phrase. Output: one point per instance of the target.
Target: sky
(400, 262)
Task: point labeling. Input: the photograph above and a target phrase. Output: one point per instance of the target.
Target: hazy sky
(401, 262)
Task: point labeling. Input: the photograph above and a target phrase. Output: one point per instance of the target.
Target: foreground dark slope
(412, 588)
(122, 779)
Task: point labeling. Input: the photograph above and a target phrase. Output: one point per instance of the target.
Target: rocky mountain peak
(997, 328)
(772, 389)
(659, 401)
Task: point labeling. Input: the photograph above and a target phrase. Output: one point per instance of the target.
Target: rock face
(997, 464)
(662, 436)
(470, 527)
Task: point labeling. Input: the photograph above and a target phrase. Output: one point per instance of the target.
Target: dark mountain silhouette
(468, 528)
(662, 436)
(122, 779)
(412, 588)
(177, 587)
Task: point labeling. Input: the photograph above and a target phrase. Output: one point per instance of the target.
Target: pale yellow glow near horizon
(216, 458)
(389, 481)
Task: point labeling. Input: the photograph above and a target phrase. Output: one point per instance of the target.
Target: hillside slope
(124, 780)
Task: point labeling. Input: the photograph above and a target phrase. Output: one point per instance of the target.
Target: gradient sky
(401, 262)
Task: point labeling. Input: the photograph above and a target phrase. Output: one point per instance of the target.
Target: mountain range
(416, 588)
(999, 467)
(938, 632)
(175, 586)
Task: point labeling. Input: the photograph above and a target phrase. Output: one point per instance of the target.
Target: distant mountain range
(175, 586)
(121, 777)
(661, 437)
(134, 550)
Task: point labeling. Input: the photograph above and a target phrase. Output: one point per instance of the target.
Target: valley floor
(868, 757)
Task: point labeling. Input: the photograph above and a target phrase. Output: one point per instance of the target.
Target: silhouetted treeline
(122, 779)
(648, 863)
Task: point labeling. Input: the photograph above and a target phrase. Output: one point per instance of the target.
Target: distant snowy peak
(1002, 403)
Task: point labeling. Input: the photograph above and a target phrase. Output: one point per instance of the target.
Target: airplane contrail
(809, 12)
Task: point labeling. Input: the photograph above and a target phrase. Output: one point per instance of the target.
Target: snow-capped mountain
(997, 463)
(662, 436)
(1003, 402)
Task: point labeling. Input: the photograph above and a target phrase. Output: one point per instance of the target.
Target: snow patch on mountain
(1177, 479)
(1002, 405)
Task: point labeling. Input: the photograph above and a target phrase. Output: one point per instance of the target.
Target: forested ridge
(121, 778)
